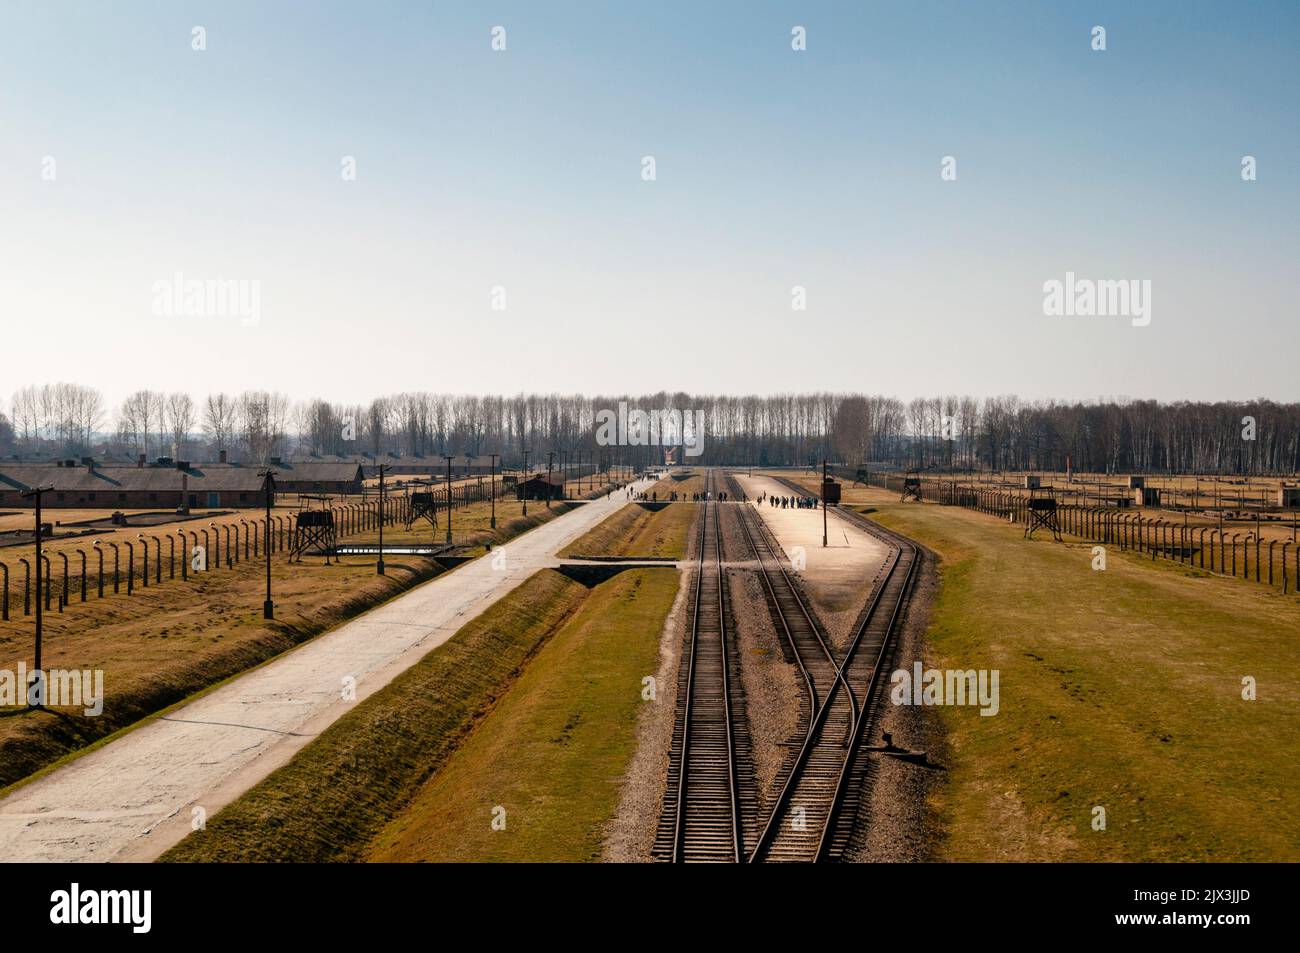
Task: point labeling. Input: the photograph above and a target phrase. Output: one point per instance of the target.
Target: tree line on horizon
(949, 432)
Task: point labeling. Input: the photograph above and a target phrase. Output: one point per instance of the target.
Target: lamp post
(379, 566)
(525, 488)
(449, 457)
(823, 504)
(268, 486)
(492, 524)
(38, 676)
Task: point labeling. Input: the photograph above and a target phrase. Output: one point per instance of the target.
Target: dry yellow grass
(1120, 689)
(547, 760)
(643, 530)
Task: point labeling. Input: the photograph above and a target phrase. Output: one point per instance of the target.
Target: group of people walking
(789, 502)
(722, 496)
(675, 497)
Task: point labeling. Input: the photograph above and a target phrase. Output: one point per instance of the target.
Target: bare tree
(219, 420)
(180, 421)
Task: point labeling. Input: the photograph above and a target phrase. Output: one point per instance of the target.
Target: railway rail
(710, 807)
(807, 783)
(711, 798)
(819, 805)
(865, 670)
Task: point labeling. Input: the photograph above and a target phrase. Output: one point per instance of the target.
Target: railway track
(861, 673)
(710, 807)
(807, 783)
(711, 799)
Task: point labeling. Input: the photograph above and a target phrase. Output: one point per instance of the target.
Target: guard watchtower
(313, 529)
(911, 487)
(1042, 512)
(422, 505)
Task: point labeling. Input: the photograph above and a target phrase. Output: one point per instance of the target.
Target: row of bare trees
(60, 417)
(957, 432)
(67, 420)
(253, 424)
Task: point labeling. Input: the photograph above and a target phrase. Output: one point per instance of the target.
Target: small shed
(540, 487)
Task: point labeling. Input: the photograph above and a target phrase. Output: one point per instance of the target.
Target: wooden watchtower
(422, 505)
(313, 529)
(911, 487)
(1042, 512)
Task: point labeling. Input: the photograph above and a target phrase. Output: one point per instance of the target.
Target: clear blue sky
(775, 168)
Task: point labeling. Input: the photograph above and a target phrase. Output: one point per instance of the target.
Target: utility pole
(493, 457)
(823, 504)
(525, 488)
(268, 485)
(379, 566)
(449, 457)
(38, 674)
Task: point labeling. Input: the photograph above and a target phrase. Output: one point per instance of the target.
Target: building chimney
(221, 456)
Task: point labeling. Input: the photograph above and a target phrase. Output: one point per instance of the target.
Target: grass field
(1244, 505)
(531, 705)
(1120, 689)
(638, 531)
(554, 749)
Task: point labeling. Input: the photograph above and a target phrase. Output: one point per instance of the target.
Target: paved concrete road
(136, 797)
(837, 577)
